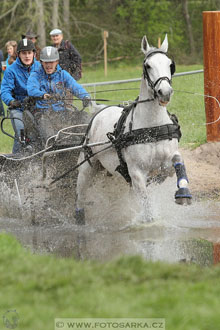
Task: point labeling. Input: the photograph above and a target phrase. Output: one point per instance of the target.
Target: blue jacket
(14, 82)
(1, 59)
(7, 61)
(40, 83)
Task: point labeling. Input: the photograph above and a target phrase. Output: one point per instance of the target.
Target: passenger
(70, 58)
(11, 47)
(30, 35)
(50, 85)
(14, 86)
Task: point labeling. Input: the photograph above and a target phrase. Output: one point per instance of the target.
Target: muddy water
(117, 224)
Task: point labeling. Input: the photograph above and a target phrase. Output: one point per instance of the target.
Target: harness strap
(148, 135)
(122, 140)
(123, 167)
(119, 126)
(88, 150)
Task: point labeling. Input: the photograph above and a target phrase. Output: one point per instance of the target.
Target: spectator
(11, 47)
(70, 59)
(2, 112)
(33, 37)
(14, 86)
(50, 85)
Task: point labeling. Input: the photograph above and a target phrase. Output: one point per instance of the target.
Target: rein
(78, 165)
(120, 140)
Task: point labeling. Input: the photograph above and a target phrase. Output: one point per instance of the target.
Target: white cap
(55, 32)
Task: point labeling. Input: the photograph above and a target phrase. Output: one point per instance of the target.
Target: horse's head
(158, 69)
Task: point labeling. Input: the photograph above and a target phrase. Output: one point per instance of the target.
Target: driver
(14, 86)
(51, 82)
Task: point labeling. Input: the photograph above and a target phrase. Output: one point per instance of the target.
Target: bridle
(146, 74)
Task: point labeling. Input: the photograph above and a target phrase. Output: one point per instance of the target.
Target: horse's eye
(148, 66)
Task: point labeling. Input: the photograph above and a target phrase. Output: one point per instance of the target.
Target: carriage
(45, 155)
(139, 142)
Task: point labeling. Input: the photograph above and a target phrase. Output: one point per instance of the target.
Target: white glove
(86, 101)
(47, 96)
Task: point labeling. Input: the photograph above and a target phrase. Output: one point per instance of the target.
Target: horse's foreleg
(140, 188)
(84, 180)
(182, 195)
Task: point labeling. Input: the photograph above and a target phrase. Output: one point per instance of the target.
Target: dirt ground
(203, 170)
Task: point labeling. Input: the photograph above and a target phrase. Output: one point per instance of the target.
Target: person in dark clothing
(30, 35)
(2, 112)
(70, 58)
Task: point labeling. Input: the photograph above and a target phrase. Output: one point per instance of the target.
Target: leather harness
(121, 140)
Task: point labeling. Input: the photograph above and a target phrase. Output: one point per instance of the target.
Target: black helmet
(25, 44)
(49, 54)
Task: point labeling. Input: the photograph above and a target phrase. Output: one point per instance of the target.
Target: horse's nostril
(165, 94)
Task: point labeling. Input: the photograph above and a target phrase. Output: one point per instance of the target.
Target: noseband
(147, 77)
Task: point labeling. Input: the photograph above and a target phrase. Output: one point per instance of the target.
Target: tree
(83, 22)
(55, 15)
(41, 25)
(189, 26)
(66, 16)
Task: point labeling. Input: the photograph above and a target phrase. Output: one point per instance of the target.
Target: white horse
(144, 137)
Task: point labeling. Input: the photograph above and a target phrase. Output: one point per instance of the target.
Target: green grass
(6, 142)
(186, 105)
(42, 288)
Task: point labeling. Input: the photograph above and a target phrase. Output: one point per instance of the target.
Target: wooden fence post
(211, 56)
(216, 253)
(105, 36)
(158, 42)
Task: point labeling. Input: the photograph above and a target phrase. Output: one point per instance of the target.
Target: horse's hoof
(183, 201)
(183, 196)
(80, 217)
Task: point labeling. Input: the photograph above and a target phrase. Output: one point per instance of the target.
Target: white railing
(136, 79)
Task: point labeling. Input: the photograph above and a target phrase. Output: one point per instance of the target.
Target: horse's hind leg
(84, 180)
(182, 195)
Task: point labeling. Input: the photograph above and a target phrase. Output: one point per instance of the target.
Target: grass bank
(41, 288)
(188, 106)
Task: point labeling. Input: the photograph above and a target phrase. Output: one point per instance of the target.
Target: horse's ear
(164, 46)
(144, 45)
